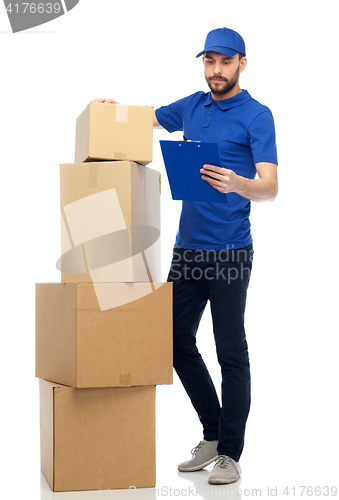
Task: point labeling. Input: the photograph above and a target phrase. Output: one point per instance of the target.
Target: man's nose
(217, 69)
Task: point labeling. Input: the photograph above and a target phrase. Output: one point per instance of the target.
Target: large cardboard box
(107, 131)
(97, 439)
(110, 223)
(125, 342)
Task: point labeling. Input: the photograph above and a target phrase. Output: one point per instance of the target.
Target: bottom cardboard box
(97, 439)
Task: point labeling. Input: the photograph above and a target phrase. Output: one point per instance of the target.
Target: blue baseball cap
(224, 41)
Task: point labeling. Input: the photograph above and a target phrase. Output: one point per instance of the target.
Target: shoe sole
(198, 467)
(222, 481)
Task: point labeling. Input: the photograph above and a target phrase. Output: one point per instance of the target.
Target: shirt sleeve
(262, 138)
(171, 117)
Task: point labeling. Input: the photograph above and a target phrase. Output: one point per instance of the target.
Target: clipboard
(183, 161)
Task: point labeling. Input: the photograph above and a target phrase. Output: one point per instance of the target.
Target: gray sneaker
(224, 471)
(202, 455)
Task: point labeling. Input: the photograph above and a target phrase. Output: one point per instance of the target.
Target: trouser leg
(189, 302)
(227, 296)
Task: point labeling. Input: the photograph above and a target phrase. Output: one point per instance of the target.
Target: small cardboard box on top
(97, 439)
(106, 131)
(104, 334)
(110, 222)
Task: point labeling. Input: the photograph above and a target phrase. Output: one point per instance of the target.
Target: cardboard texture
(97, 439)
(110, 223)
(107, 131)
(129, 344)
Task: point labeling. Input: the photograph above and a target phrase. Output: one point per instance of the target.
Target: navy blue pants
(222, 277)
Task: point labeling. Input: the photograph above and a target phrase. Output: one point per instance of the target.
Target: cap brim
(221, 50)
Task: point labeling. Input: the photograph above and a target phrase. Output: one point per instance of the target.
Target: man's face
(222, 73)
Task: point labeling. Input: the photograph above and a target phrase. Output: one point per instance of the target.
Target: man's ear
(243, 64)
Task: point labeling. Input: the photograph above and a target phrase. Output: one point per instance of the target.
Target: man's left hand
(222, 179)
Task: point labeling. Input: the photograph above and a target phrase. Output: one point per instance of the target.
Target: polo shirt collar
(232, 102)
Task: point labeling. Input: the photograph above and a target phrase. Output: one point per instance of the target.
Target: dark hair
(240, 55)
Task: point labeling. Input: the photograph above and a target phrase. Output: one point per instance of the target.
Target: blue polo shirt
(244, 130)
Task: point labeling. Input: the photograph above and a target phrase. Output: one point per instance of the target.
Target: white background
(143, 52)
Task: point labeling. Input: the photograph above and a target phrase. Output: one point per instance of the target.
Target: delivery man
(213, 252)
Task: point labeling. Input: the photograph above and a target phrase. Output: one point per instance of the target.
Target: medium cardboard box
(110, 223)
(97, 439)
(107, 131)
(125, 342)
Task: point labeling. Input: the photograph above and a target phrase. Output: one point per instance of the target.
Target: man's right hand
(112, 101)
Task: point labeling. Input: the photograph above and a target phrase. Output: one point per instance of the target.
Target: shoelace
(222, 462)
(195, 450)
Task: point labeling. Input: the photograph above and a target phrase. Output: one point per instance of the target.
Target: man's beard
(227, 86)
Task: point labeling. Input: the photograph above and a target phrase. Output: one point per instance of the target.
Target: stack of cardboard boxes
(104, 334)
